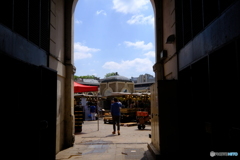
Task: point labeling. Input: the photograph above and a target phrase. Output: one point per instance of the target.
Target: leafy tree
(111, 74)
(86, 77)
(76, 77)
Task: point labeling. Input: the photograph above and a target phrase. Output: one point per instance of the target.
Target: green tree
(111, 74)
(76, 77)
(86, 77)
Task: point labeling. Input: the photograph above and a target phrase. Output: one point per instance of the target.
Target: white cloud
(80, 55)
(101, 12)
(130, 6)
(135, 65)
(140, 19)
(82, 52)
(139, 45)
(150, 54)
(78, 21)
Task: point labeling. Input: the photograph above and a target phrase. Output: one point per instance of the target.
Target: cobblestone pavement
(96, 142)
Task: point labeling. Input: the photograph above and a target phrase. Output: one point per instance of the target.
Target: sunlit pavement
(96, 142)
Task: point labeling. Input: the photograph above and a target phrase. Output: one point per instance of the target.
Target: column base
(155, 153)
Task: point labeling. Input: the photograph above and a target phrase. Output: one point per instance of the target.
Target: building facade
(145, 78)
(36, 45)
(142, 87)
(116, 83)
(197, 75)
(142, 83)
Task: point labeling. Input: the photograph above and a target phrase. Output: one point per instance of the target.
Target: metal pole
(97, 111)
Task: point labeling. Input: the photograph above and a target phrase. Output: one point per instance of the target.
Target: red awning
(84, 88)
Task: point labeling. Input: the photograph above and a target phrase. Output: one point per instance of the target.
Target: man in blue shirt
(115, 111)
(93, 111)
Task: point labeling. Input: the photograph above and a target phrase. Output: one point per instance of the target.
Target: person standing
(115, 111)
(93, 111)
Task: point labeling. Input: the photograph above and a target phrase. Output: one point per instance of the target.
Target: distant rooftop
(116, 78)
(90, 81)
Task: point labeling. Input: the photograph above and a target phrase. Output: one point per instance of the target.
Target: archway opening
(114, 36)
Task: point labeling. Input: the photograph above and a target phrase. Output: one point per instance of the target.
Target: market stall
(84, 88)
(131, 103)
(79, 110)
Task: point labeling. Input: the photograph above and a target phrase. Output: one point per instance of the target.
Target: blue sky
(114, 36)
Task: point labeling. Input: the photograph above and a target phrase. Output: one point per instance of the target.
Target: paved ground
(96, 142)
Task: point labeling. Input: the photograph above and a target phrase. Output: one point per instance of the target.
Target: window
(29, 19)
(192, 16)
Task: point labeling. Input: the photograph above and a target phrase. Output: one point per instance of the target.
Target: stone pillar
(158, 66)
(70, 70)
(69, 107)
(116, 87)
(159, 75)
(165, 115)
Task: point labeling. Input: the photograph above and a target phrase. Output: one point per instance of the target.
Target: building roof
(116, 78)
(142, 88)
(91, 82)
(144, 84)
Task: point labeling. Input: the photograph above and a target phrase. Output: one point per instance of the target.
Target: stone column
(158, 66)
(159, 75)
(166, 127)
(69, 107)
(69, 128)
(116, 87)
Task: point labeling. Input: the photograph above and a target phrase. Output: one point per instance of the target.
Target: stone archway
(107, 92)
(69, 59)
(62, 22)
